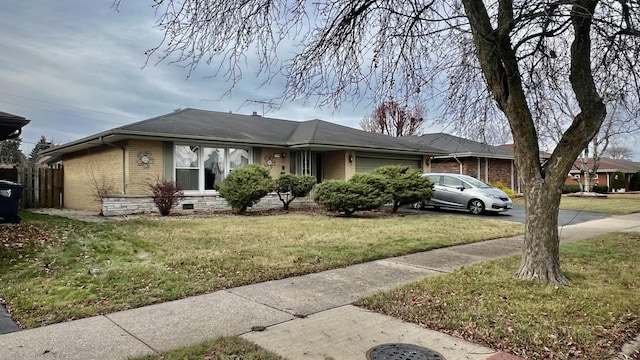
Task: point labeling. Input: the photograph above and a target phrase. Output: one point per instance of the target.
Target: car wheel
(476, 207)
(419, 205)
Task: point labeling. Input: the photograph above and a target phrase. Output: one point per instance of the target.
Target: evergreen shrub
(245, 187)
(295, 186)
(360, 193)
(405, 185)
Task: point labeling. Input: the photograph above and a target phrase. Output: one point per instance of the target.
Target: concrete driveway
(565, 217)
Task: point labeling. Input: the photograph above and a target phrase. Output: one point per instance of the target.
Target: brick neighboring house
(606, 168)
(197, 149)
(482, 161)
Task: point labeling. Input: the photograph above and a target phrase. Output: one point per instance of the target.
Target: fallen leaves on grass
(23, 236)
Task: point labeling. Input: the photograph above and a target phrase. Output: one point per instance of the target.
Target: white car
(465, 192)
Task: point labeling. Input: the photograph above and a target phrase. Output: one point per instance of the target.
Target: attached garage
(366, 162)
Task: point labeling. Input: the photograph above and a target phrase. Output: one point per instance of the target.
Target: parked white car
(465, 192)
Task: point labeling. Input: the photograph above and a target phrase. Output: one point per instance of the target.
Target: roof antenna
(263, 102)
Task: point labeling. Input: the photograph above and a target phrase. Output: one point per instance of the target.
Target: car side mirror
(461, 188)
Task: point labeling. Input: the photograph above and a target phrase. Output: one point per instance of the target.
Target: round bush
(245, 187)
(360, 193)
(405, 185)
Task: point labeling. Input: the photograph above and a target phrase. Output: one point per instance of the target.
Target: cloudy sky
(77, 67)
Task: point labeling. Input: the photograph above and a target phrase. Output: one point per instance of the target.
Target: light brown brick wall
(426, 164)
(139, 176)
(335, 165)
(84, 172)
(280, 164)
(350, 167)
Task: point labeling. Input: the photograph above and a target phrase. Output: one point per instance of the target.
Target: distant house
(484, 162)
(199, 148)
(606, 168)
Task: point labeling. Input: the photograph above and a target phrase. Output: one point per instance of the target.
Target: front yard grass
(616, 204)
(226, 348)
(483, 303)
(54, 269)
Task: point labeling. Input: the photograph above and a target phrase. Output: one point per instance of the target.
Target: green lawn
(227, 348)
(483, 303)
(54, 269)
(616, 204)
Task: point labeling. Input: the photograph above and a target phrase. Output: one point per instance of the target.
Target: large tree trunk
(540, 253)
(542, 183)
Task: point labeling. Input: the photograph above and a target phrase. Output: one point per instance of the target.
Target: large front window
(201, 168)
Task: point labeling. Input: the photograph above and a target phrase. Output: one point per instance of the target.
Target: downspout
(512, 177)
(459, 164)
(486, 170)
(124, 157)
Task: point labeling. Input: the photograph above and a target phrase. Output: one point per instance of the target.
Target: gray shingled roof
(204, 125)
(607, 165)
(461, 147)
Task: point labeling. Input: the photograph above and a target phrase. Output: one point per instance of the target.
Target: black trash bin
(10, 193)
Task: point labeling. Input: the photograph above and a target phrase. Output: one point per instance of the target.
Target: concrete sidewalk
(306, 317)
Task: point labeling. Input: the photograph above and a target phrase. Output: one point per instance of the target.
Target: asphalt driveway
(565, 217)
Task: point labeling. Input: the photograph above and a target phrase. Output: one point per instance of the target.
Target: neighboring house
(197, 149)
(11, 125)
(485, 162)
(605, 171)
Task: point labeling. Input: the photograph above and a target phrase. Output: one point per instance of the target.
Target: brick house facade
(197, 149)
(485, 162)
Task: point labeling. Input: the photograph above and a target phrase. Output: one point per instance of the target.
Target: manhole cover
(402, 352)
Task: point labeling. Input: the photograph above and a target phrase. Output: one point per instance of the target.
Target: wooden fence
(42, 186)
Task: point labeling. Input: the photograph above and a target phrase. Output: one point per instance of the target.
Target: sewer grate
(402, 352)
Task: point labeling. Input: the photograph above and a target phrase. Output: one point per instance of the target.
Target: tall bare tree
(620, 122)
(468, 51)
(393, 119)
(619, 152)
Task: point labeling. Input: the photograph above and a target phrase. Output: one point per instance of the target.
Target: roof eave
(335, 146)
(110, 137)
(472, 154)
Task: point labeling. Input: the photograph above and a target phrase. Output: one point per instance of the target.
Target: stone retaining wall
(115, 205)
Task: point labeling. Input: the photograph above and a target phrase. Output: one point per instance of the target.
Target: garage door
(366, 163)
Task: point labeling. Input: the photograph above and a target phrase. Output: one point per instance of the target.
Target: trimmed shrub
(360, 193)
(295, 186)
(600, 189)
(166, 195)
(634, 183)
(507, 190)
(245, 187)
(617, 181)
(406, 185)
(570, 189)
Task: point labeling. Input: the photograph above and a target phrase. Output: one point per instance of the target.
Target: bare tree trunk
(542, 184)
(540, 253)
